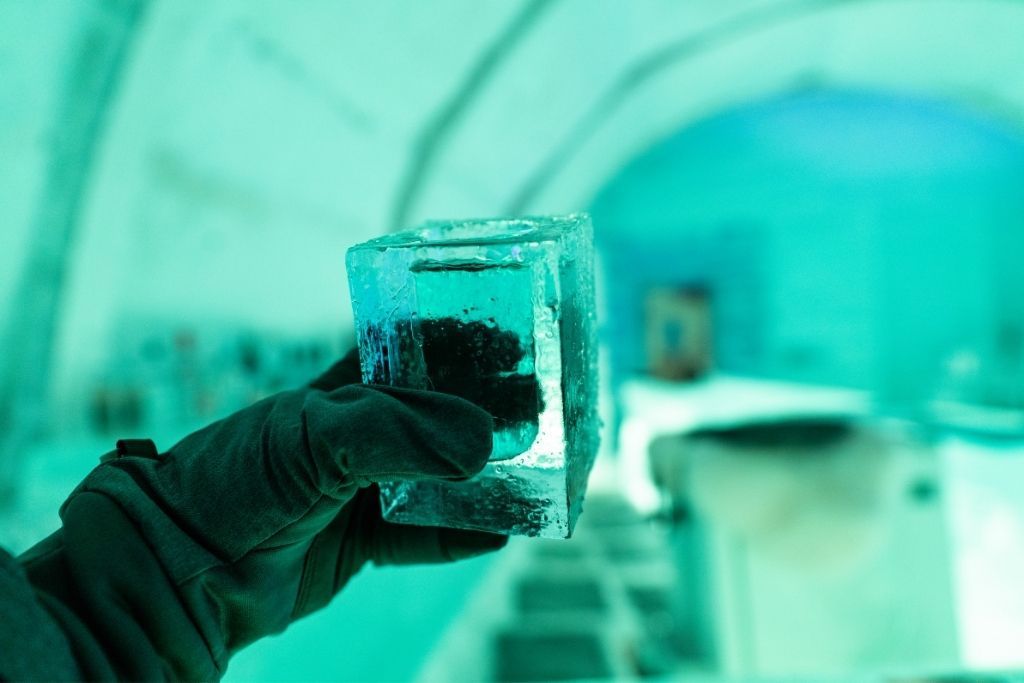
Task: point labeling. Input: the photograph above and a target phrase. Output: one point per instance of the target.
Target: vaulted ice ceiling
(241, 145)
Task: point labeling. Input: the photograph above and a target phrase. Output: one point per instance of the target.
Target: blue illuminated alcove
(854, 238)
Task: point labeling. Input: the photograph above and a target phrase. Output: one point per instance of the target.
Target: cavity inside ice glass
(501, 313)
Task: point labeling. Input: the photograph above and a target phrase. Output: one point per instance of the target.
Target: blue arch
(852, 238)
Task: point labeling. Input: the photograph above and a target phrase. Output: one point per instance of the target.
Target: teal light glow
(851, 238)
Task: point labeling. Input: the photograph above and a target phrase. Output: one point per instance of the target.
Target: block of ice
(501, 313)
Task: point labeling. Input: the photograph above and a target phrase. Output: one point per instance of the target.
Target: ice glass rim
(479, 231)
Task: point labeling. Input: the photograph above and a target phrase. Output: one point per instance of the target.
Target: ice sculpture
(501, 313)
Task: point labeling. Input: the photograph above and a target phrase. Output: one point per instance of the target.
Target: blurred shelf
(653, 408)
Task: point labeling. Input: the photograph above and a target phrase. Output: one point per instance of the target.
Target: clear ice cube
(501, 313)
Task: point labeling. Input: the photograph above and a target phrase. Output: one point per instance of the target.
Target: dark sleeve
(93, 602)
(32, 644)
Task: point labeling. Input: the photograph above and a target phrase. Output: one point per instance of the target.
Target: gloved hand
(252, 522)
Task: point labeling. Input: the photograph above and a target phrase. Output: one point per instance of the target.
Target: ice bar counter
(501, 313)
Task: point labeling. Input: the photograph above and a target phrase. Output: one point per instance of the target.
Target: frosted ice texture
(500, 312)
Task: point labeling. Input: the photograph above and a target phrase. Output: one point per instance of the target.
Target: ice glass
(501, 313)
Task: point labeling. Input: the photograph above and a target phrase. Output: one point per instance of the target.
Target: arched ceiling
(254, 140)
(967, 52)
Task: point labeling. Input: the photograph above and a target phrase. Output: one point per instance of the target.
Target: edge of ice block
(578, 333)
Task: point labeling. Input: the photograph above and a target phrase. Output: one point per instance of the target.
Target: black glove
(167, 565)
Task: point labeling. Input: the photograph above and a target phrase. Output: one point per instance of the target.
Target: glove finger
(371, 433)
(344, 372)
(386, 543)
(334, 556)
(283, 466)
(359, 534)
(404, 544)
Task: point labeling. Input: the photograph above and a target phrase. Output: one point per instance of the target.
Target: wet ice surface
(483, 351)
(500, 313)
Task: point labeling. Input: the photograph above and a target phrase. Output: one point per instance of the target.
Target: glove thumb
(368, 434)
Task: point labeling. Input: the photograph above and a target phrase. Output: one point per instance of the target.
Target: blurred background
(810, 220)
